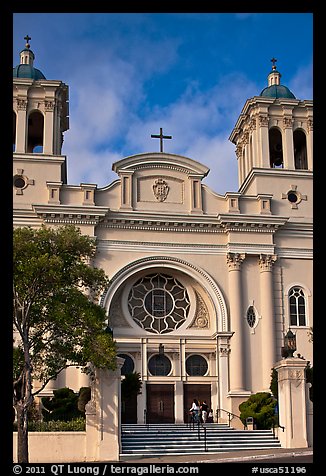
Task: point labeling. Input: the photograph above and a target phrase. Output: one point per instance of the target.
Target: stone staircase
(181, 438)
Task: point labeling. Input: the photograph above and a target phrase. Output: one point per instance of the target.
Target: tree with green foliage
(131, 385)
(261, 407)
(274, 383)
(57, 321)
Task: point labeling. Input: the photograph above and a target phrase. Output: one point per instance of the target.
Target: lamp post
(290, 344)
(109, 331)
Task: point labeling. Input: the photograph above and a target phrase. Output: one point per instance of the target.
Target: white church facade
(203, 286)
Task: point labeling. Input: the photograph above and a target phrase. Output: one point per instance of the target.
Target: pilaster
(234, 261)
(268, 319)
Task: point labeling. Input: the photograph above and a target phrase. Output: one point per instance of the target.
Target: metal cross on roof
(27, 38)
(273, 60)
(161, 137)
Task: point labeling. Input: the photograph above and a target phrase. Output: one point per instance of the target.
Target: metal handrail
(230, 416)
(200, 425)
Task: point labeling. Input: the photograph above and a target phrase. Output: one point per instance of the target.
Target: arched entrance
(167, 315)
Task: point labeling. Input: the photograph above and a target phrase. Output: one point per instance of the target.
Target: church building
(203, 286)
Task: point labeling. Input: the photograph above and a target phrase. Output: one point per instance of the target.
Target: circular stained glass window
(196, 365)
(19, 181)
(158, 303)
(292, 197)
(159, 365)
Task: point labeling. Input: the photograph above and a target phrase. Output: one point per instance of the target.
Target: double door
(160, 403)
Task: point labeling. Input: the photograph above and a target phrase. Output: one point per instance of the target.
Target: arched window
(300, 149)
(35, 132)
(14, 133)
(128, 365)
(275, 148)
(297, 305)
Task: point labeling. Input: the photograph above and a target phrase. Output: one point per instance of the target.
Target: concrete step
(157, 439)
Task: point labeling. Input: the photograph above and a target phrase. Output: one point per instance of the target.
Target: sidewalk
(225, 457)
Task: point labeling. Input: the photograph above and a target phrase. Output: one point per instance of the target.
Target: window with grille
(196, 365)
(159, 365)
(297, 307)
(158, 303)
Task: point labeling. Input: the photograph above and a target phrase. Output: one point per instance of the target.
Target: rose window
(158, 303)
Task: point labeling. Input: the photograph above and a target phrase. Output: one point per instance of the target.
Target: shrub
(260, 406)
(62, 406)
(77, 424)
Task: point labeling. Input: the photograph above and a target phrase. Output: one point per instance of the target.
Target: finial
(273, 60)
(27, 38)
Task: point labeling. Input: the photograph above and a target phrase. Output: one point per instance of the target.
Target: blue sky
(190, 73)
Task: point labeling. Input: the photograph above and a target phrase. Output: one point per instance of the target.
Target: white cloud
(107, 124)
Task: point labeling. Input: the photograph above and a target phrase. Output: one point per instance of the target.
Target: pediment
(159, 160)
(161, 182)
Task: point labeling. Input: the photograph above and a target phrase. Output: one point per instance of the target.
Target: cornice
(293, 253)
(257, 171)
(163, 224)
(38, 157)
(222, 223)
(79, 215)
(251, 223)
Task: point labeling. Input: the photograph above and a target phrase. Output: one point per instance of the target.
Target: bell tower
(274, 133)
(40, 117)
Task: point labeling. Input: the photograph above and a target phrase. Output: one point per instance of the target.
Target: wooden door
(160, 403)
(129, 409)
(191, 391)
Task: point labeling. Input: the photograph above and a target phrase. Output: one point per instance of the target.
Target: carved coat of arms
(160, 189)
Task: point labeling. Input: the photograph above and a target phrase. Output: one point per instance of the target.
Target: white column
(254, 142)
(310, 144)
(268, 318)
(263, 142)
(223, 349)
(237, 357)
(103, 439)
(288, 148)
(48, 136)
(21, 126)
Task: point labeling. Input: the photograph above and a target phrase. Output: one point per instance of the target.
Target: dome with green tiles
(26, 69)
(275, 89)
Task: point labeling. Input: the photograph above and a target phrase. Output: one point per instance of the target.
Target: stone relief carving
(117, 318)
(266, 262)
(160, 189)
(201, 319)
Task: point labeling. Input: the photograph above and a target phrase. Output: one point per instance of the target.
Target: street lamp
(109, 331)
(290, 344)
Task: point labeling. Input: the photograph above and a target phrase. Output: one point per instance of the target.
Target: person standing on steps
(204, 411)
(194, 410)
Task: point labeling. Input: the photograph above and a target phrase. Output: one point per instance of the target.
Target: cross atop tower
(27, 38)
(161, 137)
(273, 60)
